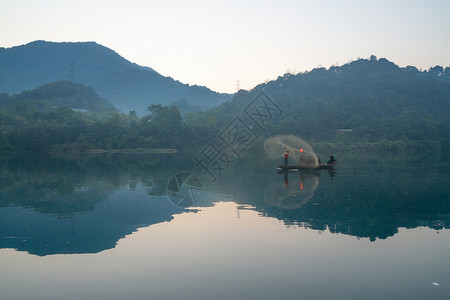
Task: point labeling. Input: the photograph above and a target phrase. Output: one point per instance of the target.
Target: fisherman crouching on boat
(332, 159)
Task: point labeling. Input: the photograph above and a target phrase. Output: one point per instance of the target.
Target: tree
(165, 124)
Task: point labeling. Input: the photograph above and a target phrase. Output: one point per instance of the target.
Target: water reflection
(70, 205)
(293, 194)
(184, 189)
(369, 199)
(57, 205)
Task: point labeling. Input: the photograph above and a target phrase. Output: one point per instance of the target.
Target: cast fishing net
(300, 151)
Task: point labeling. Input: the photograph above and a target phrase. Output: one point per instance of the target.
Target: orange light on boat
(301, 150)
(301, 185)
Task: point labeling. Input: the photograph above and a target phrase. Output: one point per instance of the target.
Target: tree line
(66, 129)
(66, 116)
(366, 105)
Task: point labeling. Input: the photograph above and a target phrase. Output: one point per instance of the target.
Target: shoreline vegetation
(133, 151)
(397, 148)
(74, 149)
(386, 147)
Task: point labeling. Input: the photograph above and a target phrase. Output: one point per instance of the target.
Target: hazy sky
(215, 43)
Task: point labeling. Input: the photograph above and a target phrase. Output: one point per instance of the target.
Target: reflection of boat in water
(292, 194)
(306, 166)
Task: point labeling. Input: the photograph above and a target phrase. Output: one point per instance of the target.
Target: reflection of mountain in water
(55, 206)
(51, 206)
(120, 214)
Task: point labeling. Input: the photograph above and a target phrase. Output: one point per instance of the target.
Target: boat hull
(306, 167)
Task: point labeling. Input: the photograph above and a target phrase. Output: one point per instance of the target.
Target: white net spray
(300, 152)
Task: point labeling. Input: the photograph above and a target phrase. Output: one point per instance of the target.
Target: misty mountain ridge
(126, 85)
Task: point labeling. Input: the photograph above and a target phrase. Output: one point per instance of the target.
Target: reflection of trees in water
(368, 200)
(63, 199)
(184, 189)
(66, 186)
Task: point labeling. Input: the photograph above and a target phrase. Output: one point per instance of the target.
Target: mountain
(367, 100)
(57, 94)
(126, 85)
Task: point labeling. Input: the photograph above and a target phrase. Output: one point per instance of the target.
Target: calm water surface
(116, 227)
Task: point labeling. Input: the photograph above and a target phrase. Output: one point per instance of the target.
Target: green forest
(36, 125)
(369, 105)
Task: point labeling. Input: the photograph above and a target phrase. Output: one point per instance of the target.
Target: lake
(152, 227)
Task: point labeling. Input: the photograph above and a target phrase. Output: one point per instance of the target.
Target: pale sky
(215, 43)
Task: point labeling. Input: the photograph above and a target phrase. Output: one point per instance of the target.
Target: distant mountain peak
(126, 85)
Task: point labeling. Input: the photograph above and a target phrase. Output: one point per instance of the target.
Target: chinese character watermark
(217, 156)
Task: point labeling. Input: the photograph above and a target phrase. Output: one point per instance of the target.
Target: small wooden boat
(306, 167)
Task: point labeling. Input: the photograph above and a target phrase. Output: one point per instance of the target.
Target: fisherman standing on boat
(286, 157)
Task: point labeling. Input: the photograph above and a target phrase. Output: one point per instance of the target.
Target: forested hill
(53, 95)
(372, 99)
(126, 85)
